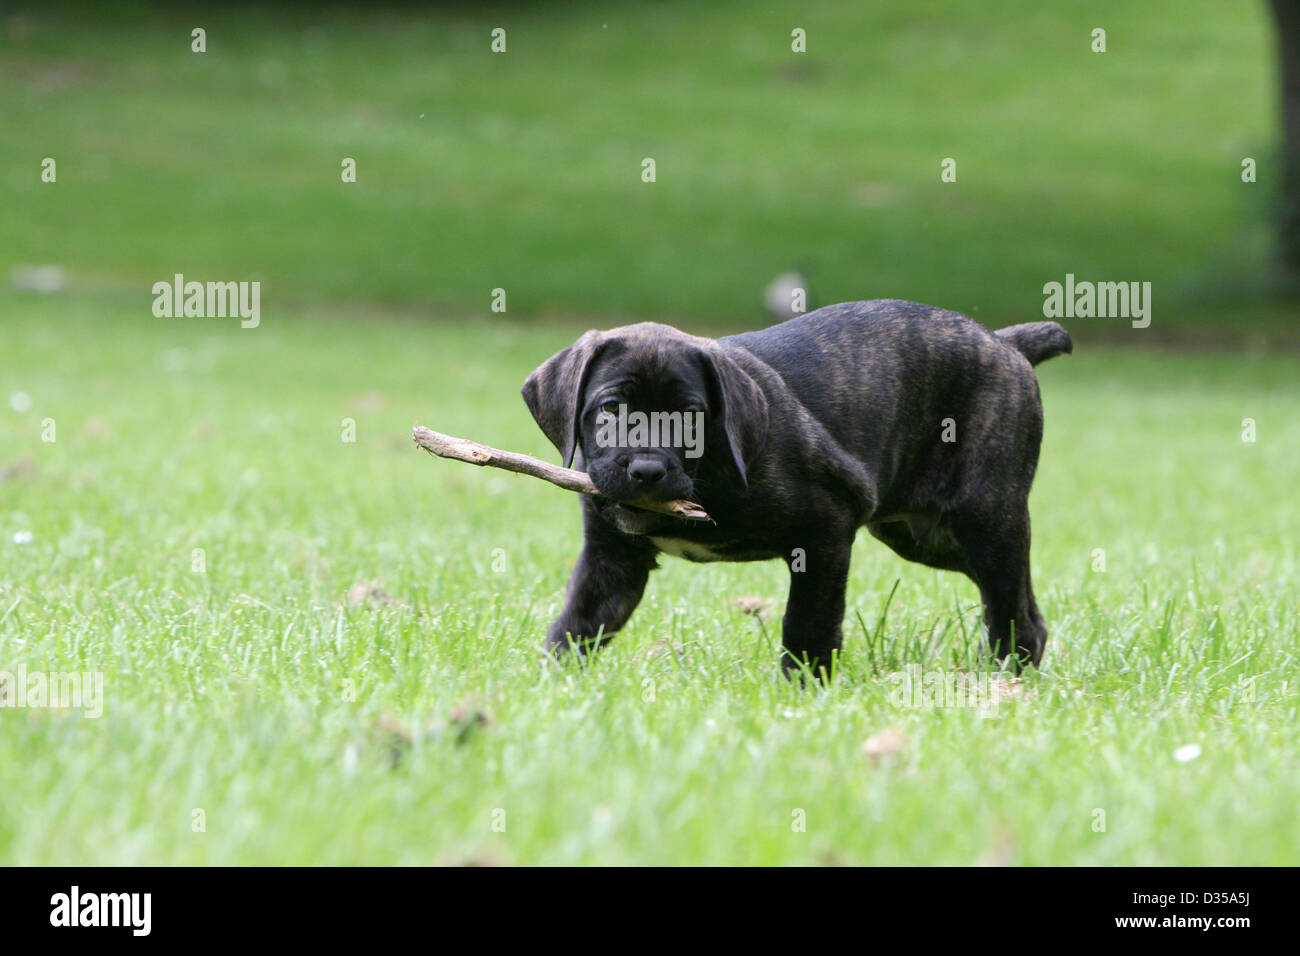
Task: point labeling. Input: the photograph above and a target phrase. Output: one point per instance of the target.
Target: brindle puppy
(916, 422)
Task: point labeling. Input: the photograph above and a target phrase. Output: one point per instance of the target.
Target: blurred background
(522, 170)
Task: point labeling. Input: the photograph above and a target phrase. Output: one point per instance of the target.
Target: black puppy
(916, 422)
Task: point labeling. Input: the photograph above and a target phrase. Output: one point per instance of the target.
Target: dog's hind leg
(996, 543)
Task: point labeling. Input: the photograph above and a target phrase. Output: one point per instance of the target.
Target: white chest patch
(689, 550)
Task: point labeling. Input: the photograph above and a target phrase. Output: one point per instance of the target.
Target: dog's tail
(1037, 341)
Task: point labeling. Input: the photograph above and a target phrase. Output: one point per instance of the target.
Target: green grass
(522, 171)
(230, 691)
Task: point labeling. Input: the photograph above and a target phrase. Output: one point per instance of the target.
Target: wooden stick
(462, 449)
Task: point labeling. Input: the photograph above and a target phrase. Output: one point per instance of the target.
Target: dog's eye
(609, 407)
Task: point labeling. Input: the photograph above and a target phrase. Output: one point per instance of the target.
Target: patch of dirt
(24, 469)
(886, 745)
(751, 604)
(370, 592)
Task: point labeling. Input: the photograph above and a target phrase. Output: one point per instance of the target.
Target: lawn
(325, 651)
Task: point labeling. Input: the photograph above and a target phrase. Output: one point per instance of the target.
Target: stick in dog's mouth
(471, 452)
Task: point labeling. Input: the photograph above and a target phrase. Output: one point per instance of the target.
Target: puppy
(916, 422)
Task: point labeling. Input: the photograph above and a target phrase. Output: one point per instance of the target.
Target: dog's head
(651, 410)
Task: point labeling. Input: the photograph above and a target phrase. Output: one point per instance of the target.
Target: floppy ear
(553, 392)
(742, 408)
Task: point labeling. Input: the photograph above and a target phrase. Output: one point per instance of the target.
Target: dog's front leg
(605, 587)
(814, 610)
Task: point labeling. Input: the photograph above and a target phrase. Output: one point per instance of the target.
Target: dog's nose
(647, 471)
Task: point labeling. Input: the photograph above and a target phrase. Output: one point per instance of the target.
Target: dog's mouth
(630, 519)
(639, 505)
(624, 492)
(662, 501)
(639, 517)
(641, 514)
